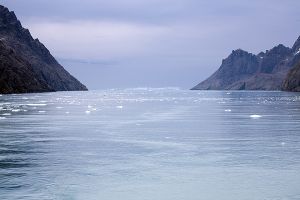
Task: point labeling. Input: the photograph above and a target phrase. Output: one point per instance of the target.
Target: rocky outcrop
(292, 81)
(246, 71)
(26, 65)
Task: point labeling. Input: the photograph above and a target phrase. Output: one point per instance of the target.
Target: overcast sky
(154, 43)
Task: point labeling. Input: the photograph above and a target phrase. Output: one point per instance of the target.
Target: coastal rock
(26, 65)
(292, 81)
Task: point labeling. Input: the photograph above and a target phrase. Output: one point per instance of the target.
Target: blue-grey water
(150, 144)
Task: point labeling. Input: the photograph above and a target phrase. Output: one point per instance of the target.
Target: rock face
(26, 65)
(292, 82)
(246, 71)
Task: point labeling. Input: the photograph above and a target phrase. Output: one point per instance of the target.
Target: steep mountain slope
(246, 71)
(292, 82)
(16, 74)
(26, 65)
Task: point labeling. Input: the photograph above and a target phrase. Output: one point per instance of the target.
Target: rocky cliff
(26, 65)
(246, 71)
(292, 82)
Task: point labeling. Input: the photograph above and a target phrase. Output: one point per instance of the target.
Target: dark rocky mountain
(26, 65)
(246, 71)
(292, 82)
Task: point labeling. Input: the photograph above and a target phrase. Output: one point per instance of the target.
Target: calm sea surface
(150, 144)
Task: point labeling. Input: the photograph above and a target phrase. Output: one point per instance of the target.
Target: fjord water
(150, 144)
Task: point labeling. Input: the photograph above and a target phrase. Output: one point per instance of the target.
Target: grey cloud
(88, 62)
(157, 11)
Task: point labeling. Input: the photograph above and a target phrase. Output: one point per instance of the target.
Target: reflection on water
(144, 143)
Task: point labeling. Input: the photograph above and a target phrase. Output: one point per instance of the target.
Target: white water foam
(255, 116)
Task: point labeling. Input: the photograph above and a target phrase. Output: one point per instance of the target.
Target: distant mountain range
(275, 69)
(26, 65)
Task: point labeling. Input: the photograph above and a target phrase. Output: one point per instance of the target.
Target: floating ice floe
(255, 116)
(59, 107)
(282, 143)
(42, 111)
(2, 118)
(36, 104)
(15, 110)
(120, 107)
(67, 112)
(87, 112)
(227, 110)
(6, 114)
